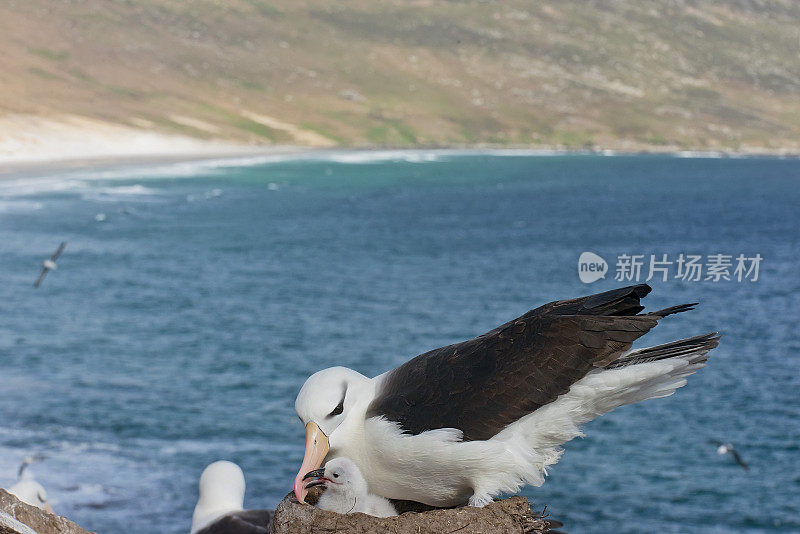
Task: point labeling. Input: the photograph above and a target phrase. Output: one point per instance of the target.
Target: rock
(16, 517)
(512, 515)
(349, 94)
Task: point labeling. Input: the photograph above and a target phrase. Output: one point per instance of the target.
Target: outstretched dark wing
(58, 252)
(739, 460)
(38, 281)
(482, 385)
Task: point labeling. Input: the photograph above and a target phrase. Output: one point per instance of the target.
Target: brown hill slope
(699, 74)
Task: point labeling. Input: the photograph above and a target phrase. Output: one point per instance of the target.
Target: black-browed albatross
(727, 448)
(466, 422)
(27, 489)
(219, 506)
(50, 265)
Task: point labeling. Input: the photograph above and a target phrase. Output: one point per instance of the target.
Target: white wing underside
(403, 466)
(599, 392)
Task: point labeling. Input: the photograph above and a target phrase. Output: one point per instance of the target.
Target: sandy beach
(30, 145)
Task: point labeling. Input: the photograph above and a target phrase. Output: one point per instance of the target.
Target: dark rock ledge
(512, 515)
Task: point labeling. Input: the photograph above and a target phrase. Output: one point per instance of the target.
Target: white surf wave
(119, 193)
(27, 186)
(700, 154)
(135, 189)
(75, 179)
(19, 206)
(381, 156)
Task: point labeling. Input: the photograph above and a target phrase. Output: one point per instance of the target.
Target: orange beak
(317, 448)
(48, 509)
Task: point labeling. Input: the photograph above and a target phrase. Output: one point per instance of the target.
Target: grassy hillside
(699, 74)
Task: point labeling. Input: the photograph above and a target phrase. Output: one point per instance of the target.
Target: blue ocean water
(193, 300)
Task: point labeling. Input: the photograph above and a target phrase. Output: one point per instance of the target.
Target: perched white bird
(49, 265)
(472, 420)
(31, 492)
(346, 491)
(219, 507)
(28, 490)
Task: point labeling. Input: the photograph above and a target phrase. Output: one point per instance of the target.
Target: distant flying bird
(727, 448)
(50, 265)
(464, 423)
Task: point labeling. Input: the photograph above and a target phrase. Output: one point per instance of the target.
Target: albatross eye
(336, 475)
(338, 410)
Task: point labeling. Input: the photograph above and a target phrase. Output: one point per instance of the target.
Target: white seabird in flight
(727, 448)
(219, 507)
(346, 490)
(466, 422)
(50, 265)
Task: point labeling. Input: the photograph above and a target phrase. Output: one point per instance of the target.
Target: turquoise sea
(193, 300)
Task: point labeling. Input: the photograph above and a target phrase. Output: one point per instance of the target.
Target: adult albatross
(219, 507)
(469, 421)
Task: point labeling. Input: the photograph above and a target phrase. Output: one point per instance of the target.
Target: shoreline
(33, 146)
(254, 154)
(39, 167)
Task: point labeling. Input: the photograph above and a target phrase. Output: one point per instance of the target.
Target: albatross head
(325, 404)
(221, 492)
(344, 485)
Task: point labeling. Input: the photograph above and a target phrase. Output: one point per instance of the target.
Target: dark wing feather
(482, 385)
(38, 281)
(244, 522)
(698, 346)
(617, 302)
(674, 309)
(739, 460)
(58, 252)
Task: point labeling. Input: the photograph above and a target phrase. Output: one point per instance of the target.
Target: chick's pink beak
(317, 448)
